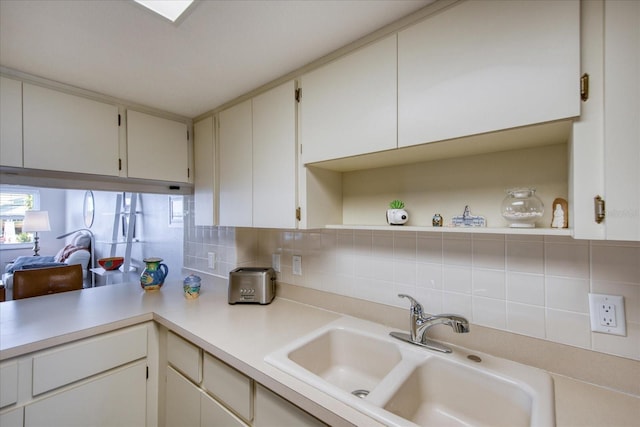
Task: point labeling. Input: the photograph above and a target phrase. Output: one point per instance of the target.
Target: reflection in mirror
(88, 209)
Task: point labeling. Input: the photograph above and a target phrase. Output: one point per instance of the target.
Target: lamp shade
(36, 221)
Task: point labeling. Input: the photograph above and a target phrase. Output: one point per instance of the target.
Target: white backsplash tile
(569, 294)
(525, 256)
(525, 288)
(531, 285)
(567, 327)
(526, 319)
(490, 312)
(489, 283)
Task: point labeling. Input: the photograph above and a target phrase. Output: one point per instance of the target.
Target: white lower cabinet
(224, 397)
(97, 381)
(272, 410)
(189, 406)
(117, 398)
(12, 418)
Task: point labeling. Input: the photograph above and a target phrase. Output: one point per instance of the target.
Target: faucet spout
(459, 324)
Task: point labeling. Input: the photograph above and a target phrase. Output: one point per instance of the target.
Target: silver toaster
(255, 285)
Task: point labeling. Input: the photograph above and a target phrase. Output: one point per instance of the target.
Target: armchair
(78, 251)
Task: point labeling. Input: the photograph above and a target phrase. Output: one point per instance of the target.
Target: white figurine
(558, 217)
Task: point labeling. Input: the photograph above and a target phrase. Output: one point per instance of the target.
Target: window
(14, 201)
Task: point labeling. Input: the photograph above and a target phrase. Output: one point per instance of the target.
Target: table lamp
(35, 221)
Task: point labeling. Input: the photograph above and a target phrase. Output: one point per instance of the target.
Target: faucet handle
(416, 307)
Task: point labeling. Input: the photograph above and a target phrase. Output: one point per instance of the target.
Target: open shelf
(471, 230)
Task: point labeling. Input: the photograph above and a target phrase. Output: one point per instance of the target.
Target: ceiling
(217, 52)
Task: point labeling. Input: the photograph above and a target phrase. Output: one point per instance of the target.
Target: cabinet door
(605, 153)
(116, 398)
(214, 414)
(182, 407)
(10, 122)
(236, 192)
(228, 385)
(157, 148)
(622, 111)
(204, 171)
(273, 410)
(274, 158)
(69, 133)
(13, 418)
(349, 106)
(481, 66)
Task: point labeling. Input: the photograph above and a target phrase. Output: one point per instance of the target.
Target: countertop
(242, 335)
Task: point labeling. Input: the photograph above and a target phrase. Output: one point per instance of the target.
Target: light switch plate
(607, 314)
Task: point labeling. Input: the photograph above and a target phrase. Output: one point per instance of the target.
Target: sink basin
(400, 384)
(347, 360)
(441, 393)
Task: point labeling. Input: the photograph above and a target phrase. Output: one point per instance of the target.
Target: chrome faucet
(419, 325)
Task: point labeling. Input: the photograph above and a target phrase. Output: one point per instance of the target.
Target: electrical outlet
(297, 265)
(211, 260)
(607, 314)
(275, 262)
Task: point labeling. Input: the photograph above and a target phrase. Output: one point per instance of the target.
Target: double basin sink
(400, 384)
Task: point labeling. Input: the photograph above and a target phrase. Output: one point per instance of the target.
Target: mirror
(88, 209)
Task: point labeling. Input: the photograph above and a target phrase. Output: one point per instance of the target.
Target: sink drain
(360, 393)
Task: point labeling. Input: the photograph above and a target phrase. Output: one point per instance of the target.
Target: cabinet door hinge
(598, 203)
(187, 135)
(147, 372)
(188, 172)
(584, 87)
(298, 213)
(119, 120)
(298, 94)
(119, 164)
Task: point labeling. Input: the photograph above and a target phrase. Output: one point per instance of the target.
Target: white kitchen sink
(400, 384)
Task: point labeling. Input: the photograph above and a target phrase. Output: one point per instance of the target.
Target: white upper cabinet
(69, 133)
(157, 148)
(606, 139)
(274, 158)
(258, 161)
(236, 181)
(622, 119)
(348, 106)
(204, 171)
(482, 66)
(10, 122)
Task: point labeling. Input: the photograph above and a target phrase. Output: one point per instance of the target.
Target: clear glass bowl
(522, 208)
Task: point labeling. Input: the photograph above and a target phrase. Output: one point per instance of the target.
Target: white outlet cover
(275, 262)
(297, 265)
(598, 309)
(211, 260)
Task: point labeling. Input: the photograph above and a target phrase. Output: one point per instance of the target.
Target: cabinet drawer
(9, 383)
(228, 385)
(184, 356)
(73, 362)
(13, 418)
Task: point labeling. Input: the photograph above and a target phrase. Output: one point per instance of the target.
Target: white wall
(157, 239)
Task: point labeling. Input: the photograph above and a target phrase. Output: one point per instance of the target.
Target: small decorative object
(560, 214)
(111, 263)
(522, 208)
(468, 220)
(152, 278)
(396, 215)
(437, 220)
(191, 286)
